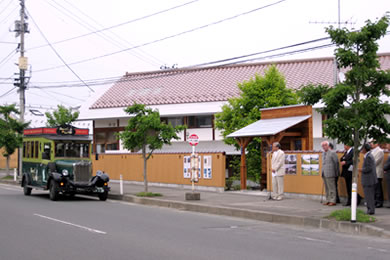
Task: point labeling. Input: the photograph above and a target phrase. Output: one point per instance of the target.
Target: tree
(145, 130)
(61, 116)
(11, 132)
(259, 92)
(354, 107)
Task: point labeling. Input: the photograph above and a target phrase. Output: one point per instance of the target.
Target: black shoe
(378, 205)
(338, 200)
(370, 212)
(347, 204)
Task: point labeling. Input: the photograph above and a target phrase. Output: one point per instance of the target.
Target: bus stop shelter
(291, 126)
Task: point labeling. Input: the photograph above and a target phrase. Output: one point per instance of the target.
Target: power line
(89, 27)
(9, 56)
(261, 52)
(58, 55)
(12, 12)
(8, 92)
(8, 42)
(184, 70)
(110, 80)
(5, 8)
(167, 37)
(118, 25)
(121, 45)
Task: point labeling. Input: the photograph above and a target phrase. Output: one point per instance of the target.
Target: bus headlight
(65, 172)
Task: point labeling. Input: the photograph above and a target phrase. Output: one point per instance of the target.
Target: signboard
(193, 139)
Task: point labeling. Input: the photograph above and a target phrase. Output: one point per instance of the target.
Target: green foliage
(146, 131)
(355, 110)
(148, 194)
(61, 116)
(11, 131)
(345, 215)
(256, 93)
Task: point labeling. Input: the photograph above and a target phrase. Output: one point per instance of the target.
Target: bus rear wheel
(26, 189)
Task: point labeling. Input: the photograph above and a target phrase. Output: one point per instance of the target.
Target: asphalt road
(85, 228)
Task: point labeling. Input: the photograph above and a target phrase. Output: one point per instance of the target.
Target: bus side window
(46, 151)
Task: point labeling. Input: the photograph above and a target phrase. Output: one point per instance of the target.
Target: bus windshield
(72, 149)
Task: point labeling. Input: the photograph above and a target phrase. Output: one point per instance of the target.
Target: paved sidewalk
(306, 212)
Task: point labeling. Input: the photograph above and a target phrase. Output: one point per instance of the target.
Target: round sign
(193, 139)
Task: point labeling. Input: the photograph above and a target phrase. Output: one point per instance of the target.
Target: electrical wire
(58, 55)
(181, 71)
(11, 13)
(8, 57)
(121, 24)
(119, 44)
(165, 38)
(5, 8)
(8, 92)
(89, 27)
(111, 80)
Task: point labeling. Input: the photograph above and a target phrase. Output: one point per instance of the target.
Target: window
(200, 122)
(46, 151)
(106, 140)
(36, 149)
(174, 121)
(72, 150)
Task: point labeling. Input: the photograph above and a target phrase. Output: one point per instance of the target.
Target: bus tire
(26, 190)
(103, 196)
(54, 193)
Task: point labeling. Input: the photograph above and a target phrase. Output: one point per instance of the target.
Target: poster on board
(290, 164)
(187, 167)
(310, 164)
(207, 167)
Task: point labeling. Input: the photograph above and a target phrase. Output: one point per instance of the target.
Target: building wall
(13, 162)
(161, 168)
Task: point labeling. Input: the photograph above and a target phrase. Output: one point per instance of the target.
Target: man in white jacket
(278, 171)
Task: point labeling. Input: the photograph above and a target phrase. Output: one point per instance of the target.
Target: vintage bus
(59, 160)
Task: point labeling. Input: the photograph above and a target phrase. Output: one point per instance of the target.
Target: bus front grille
(82, 171)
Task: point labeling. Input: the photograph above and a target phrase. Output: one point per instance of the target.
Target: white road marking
(9, 187)
(315, 240)
(378, 249)
(71, 224)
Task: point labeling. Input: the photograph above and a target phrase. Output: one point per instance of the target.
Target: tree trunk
(145, 164)
(7, 165)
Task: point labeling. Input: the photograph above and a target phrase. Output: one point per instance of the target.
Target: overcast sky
(135, 42)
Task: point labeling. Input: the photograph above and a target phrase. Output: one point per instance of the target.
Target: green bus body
(59, 160)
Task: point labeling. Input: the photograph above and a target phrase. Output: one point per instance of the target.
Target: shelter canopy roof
(269, 127)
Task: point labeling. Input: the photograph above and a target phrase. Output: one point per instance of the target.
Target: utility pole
(21, 27)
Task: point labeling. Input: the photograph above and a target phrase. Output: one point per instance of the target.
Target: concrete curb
(337, 226)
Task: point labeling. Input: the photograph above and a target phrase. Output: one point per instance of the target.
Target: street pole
(20, 30)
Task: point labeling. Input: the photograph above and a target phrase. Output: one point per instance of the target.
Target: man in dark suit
(369, 179)
(346, 161)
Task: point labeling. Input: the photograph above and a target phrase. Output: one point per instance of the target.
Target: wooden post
(243, 142)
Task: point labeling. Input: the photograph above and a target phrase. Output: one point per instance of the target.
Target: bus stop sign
(193, 139)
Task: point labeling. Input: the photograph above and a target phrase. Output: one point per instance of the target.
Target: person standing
(346, 162)
(330, 170)
(369, 179)
(386, 175)
(331, 147)
(278, 171)
(378, 155)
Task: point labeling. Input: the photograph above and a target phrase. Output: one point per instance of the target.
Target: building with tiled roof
(193, 96)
